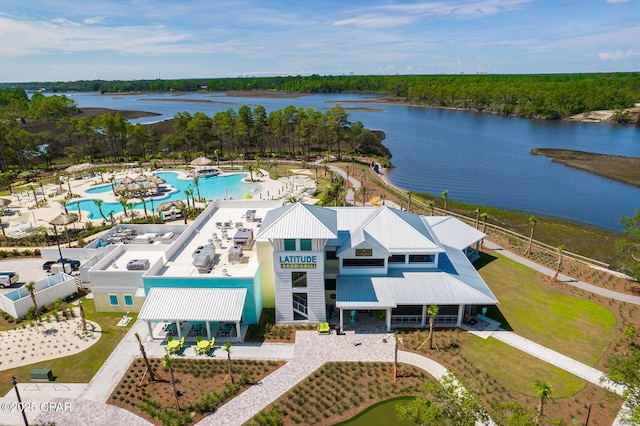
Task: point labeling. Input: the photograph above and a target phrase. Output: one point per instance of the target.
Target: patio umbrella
(157, 179)
(201, 161)
(126, 181)
(166, 206)
(151, 186)
(135, 187)
(78, 168)
(4, 202)
(122, 188)
(141, 178)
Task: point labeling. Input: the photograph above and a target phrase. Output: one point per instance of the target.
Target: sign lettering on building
(298, 261)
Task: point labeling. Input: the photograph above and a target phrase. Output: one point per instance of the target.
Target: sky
(67, 40)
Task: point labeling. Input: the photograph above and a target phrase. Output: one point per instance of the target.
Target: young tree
(98, 204)
(31, 288)
(445, 198)
(409, 195)
(631, 245)
(543, 391)
(227, 349)
(196, 182)
(559, 265)
(533, 221)
(83, 320)
(431, 204)
(153, 375)
(168, 366)
(124, 201)
(450, 403)
(477, 218)
(432, 310)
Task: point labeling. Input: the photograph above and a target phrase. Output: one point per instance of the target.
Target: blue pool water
(212, 188)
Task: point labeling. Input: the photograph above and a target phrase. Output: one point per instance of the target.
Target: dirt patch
(203, 385)
(616, 167)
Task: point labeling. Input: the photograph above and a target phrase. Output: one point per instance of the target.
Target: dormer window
(364, 252)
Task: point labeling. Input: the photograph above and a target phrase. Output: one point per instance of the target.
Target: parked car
(7, 278)
(75, 264)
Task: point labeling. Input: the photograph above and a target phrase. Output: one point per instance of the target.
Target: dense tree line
(245, 133)
(550, 96)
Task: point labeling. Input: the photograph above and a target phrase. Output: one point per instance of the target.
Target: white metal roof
(299, 221)
(408, 288)
(454, 232)
(194, 304)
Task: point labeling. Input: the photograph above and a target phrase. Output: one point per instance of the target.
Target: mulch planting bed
(338, 391)
(203, 386)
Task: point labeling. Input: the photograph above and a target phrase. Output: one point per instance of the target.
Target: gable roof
(299, 221)
(453, 232)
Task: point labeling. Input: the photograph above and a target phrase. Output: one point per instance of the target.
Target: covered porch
(193, 312)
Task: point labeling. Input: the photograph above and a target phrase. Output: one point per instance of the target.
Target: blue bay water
(479, 158)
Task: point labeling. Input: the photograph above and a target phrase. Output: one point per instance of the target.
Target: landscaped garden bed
(339, 390)
(203, 385)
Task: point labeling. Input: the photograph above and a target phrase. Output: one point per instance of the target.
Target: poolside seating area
(204, 347)
(174, 346)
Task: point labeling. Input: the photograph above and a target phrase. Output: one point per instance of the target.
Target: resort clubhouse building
(310, 264)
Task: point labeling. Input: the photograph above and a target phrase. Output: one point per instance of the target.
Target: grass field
(576, 327)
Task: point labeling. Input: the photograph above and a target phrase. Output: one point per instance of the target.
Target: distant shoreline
(615, 167)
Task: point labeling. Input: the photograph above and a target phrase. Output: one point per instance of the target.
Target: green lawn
(576, 327)
(81, 367)
(518, 370)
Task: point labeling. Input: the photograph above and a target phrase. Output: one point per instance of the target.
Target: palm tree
(33, 190)
(31, 288)
(144, 205)
(395, 355)
(83, 324)
(186, 194)
(172, 379)
(183, 209)
(383, 196)
(111, 218)
(153, 375)
(63, 202)
(193, 199)
(445, 197)
(532, 220)
(123, 202)
(560, 250)
(227, 349)
(543, 391)
(484, 227)
(98, 204)
(409, 194)
(432, 310)
(216, 152)
(250, 168)
(431, 204)
(4, 234)
(363, 191)
(79, 211)
(477, 218)
(196, 182)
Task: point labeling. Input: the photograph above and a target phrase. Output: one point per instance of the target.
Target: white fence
(16, 303)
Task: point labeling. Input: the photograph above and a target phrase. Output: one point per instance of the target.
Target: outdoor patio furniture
(174, 346)
(323, 328)
(202, 347)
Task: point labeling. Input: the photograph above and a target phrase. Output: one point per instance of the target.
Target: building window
(289, 245)
(305, 244)
(362, 262)
(397, 258)
(329, 283)
(364, 252)
(113, 300)
(299, 279)
(421, 258)
(128, 300)
(331, 255)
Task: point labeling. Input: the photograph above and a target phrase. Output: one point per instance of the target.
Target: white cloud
(618, 55)
(94, 20)
(618, 1)
(377, 21)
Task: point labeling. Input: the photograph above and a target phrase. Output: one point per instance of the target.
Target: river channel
(479, 158)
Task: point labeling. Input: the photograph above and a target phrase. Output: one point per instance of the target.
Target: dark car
(75, 264)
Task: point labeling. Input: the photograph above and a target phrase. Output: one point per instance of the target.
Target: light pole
(55, 229)
(14, 382)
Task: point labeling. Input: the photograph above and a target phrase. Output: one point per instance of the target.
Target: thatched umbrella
(166, 206)
(121, 188)
(4, 202)
(141, 178)
(156, 179)
(151, 186)
(79, 168)
(201, 161)
(126, 181)
(135, 187)
(64, 220)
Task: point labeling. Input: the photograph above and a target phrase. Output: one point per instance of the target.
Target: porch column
(150, 329)
(460, 315)
(179, 329)
(208, 325)
(238, 332)
(341, 320)
(423, 321)
(388, 319)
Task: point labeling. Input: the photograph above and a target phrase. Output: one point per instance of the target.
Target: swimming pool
(211, 188)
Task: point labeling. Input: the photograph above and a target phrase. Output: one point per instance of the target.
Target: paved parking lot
(29, 269)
